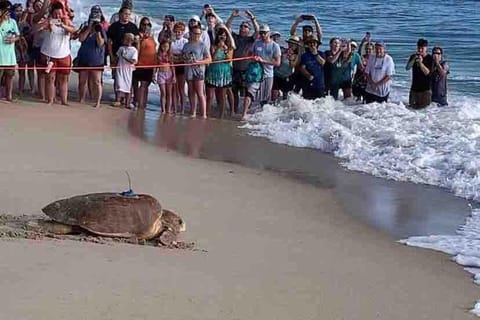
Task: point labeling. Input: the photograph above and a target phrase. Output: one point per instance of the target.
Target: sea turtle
(114, 215)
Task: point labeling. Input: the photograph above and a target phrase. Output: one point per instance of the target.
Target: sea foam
(437, 146)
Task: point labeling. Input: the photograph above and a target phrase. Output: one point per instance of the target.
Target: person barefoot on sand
(7, 46)
(55, 52)
(127, 58)
(197, 54)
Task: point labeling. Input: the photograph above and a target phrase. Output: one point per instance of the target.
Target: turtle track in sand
(20, 227)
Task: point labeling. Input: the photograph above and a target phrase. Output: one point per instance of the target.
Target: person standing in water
(380, 70)
(421, 64)
(438, 79)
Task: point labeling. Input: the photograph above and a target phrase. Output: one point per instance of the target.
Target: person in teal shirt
(9, 34)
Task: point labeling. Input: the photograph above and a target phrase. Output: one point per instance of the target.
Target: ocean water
(436, 146)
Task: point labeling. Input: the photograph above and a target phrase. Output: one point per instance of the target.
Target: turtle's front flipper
(50, 227)
(168, 238)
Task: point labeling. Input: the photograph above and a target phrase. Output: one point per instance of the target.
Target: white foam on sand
(464, 246)
(438, 146)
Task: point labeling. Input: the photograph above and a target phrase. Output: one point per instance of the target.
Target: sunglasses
(146, 24)
(244, 26)
(437, 52)
(263, 32)
(197, 33)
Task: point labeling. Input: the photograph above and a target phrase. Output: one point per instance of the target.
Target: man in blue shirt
(311, 66)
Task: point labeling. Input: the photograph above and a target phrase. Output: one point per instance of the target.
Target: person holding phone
(244, 40)
(55, 52)
(91, 54)
(421, 64)
(303, 18)
(440, 70)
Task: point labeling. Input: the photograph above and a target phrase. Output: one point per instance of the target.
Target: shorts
(312, 93)
(180, 70)
(260, 91)
(283, 84)
(7, 72)
(57, 62)
(143, 74)
(34, 54)
(369, 98)
(419, 100)
(166, 77)
(89, 68)
(337, 86)
(238, 79)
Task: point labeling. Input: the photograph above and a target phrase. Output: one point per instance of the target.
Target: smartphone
(306, 17)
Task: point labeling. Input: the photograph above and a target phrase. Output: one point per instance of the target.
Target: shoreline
(276, 248)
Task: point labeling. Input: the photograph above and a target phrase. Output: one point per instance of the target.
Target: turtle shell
(110, 214)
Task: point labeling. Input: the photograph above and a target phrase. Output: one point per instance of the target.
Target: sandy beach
(271, 247)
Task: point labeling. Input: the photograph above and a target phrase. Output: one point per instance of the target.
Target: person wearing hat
(134, 18)
(9, 34)
(421, 63)
(204, 38)
(282, 75)
(244, 40)
(380, 70)
(267, 53)
(275, 35)
(311, 67)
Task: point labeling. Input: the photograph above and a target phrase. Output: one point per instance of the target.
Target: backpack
(254, 72)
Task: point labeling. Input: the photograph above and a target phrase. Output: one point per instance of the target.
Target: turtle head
(172, 221)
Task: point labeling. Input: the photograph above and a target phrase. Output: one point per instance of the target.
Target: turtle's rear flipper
(51, 227)
(168, 238)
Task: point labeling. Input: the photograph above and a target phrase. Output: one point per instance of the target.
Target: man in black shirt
(115, 34)
(421, 64)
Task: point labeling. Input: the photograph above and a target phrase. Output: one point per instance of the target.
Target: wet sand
(398, 208)
(274, 248)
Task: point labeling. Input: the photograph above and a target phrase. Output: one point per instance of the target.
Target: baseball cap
(275, 33)
(264, 28)
(195, 17)
(353, 44)
(380, 43)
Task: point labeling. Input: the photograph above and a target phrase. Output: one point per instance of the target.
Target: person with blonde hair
(127, 58)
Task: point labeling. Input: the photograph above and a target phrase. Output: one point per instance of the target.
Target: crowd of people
(215, 62)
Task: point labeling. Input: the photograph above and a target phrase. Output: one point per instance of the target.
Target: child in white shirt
(127, 58)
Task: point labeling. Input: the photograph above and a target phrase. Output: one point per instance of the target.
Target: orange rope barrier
(116, 67)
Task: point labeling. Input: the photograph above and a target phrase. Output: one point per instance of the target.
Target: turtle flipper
(50, 227)
(168, 238)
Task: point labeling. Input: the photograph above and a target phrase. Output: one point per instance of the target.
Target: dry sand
(275, 248)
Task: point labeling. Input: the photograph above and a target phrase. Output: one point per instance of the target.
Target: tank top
(146, 54)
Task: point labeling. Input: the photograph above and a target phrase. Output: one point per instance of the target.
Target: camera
(97, 27)
(306, 17)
